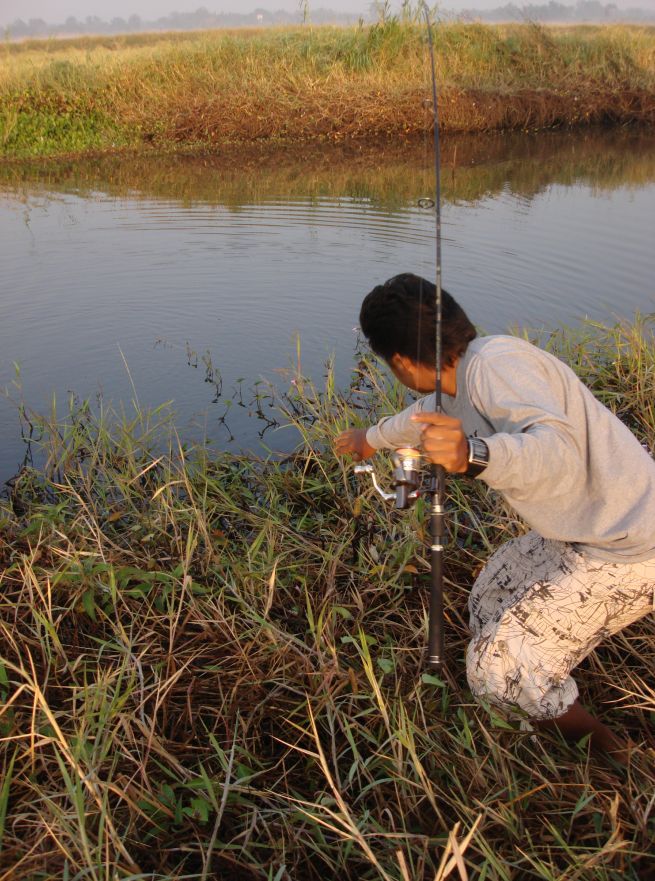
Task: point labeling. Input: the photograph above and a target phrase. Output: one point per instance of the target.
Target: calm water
(119, 275)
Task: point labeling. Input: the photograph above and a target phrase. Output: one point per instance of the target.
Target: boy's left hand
(444, 442)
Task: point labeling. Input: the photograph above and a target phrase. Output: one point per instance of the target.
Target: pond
(145, 276)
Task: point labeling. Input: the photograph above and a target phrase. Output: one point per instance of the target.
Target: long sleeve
(398, 430)
(563, 461)
(537, 450)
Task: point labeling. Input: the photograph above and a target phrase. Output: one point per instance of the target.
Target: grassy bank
(368, 84)
(212, 666)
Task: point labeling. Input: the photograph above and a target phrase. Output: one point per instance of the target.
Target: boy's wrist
(478, 456)
(371, 433)
(367, 450)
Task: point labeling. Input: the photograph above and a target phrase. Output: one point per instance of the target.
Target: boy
(519, 419)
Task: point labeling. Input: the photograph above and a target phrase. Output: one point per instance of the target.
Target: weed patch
(212, 665)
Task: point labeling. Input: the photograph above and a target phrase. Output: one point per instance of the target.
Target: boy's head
(398, 318)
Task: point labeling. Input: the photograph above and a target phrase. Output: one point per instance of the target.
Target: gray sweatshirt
(561, 459)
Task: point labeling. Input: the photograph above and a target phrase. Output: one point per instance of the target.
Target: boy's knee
(516, 684)
(483, 671)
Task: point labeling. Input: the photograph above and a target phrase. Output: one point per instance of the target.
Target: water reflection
(197, 271)
(474, 167)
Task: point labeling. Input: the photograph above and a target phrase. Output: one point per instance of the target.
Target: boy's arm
(399, 430)
(537, 450)
(390, 433)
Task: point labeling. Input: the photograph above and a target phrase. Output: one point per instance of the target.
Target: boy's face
(416, 376)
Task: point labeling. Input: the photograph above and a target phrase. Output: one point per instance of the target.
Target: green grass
(212, 665)
(60, 132)
(368, 83)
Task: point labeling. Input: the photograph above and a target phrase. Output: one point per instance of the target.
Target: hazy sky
(58, 10)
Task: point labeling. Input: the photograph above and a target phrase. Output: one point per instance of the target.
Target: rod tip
(435, 661)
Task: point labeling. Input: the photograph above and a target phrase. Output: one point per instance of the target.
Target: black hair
(399, 317)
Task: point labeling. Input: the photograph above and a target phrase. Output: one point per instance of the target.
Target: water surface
(120, 275)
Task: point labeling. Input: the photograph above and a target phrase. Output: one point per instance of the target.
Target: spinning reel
(406, 478)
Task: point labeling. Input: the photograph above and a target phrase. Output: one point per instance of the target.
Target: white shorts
(536, 610)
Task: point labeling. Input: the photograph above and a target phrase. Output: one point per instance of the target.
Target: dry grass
(325, 83)
(212, 666)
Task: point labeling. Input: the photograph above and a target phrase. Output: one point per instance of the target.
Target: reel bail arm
(406, 478)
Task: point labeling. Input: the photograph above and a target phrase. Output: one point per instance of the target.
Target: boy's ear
(402, 361)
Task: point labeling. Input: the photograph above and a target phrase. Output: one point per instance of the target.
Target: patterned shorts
(536, 610)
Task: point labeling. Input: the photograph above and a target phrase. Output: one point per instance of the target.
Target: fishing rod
(407, 461)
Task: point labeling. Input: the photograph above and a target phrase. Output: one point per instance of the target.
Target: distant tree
(17, 28)
(379, 10)
(583, 10)
(590, 9)
(37, 27)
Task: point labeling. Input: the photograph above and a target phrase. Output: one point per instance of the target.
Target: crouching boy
(520, 420)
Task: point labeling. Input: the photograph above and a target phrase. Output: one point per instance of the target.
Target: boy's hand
(444, 442)
(354, 442)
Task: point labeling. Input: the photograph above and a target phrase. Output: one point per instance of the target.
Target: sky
(54, 11)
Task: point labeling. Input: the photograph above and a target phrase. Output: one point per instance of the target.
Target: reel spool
(406, 477)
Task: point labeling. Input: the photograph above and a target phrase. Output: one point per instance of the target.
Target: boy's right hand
(353, 442)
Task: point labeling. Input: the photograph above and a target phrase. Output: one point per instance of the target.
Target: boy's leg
(509, 573)
(577, 723)
(522, 656)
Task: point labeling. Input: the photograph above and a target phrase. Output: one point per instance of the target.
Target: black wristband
(478, 456)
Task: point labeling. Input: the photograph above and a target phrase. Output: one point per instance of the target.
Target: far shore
(368, 85)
